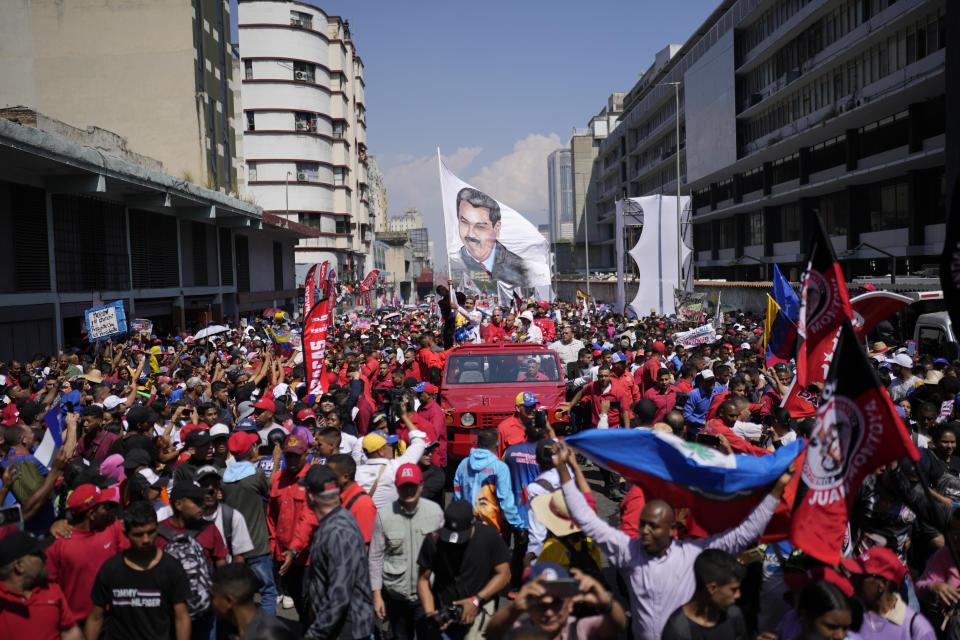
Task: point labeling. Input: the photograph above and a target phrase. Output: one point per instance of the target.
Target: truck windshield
(501, 367)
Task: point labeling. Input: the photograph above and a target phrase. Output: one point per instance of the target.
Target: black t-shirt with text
(461, 570)
(139, 604)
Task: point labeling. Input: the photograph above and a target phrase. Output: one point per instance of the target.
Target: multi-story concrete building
(411, 222)
(83, 222)
(791, 108)
(584, 147)
(560, 195)
(305, 129)
(158, 73)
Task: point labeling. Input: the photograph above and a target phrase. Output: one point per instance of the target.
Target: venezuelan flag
(780, 328)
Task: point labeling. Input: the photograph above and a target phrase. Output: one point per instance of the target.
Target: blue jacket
(483, 473)
(697, 405)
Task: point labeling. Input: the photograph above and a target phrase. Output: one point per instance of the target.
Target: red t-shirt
(363, 508)
(210, 539)
(42, 616)
(596, 395)
(73, 562)
(511, 432)
(491, 332)
(630, 510)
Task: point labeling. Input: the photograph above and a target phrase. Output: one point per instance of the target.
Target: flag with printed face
(856, 431)
(487, 236)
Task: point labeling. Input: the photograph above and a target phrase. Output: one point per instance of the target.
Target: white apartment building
(305, 129)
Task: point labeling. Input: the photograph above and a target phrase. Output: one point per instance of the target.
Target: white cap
(706, 374)
(281, 389)
(219, 429)
(526, 315)
(745, 345)
(112, 402)
(903, 360)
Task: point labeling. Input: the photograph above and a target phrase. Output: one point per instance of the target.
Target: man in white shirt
(567, 347)
(376, 475)
(904, 380)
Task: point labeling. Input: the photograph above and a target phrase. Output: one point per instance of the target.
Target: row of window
(839, 86)
(304, 121)
(884, 206)
(305, 172)
(849, 15)
(300, 72)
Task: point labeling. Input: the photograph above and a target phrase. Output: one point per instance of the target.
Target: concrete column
(771, 229)
(177, 315)
(715, 233)
(767, 178)
(803, 161)
(737, 188)
(915, 132)
(808, 218)
(714, 196)
(740, 235)
(852, 148)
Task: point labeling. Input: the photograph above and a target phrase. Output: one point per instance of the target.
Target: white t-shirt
(240, 542)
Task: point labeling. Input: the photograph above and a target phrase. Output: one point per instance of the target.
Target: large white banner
(487, 236)
(658, 253)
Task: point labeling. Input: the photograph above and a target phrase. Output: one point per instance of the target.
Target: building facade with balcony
(788, 109)
(305, 129)
(560, 195)
(158, 73)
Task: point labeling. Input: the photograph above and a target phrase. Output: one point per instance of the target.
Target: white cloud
(519, 179)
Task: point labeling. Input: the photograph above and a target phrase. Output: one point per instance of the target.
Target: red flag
(856, 431)
(824, 305)
(870, 309)
(308, 287)
(369, 280)
(315, 347)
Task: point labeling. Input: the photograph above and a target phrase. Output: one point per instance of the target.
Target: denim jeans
(263, 567)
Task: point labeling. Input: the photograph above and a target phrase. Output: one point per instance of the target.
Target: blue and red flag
(281, 341)
(710, 491)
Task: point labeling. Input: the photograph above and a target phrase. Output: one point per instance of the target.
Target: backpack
(185, 548)
(226, 513)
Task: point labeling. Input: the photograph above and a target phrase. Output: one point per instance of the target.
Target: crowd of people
(200, 491)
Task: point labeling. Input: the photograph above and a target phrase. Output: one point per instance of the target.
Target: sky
(496, 85)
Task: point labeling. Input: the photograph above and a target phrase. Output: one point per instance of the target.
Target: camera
(392, 400)
(451, 613)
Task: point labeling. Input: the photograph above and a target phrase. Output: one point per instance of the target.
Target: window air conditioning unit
(300, 75)
(303, 125)
(302, 176)
(296, 22)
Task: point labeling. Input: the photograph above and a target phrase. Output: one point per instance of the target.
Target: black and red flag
(856, 431)
(824, 305)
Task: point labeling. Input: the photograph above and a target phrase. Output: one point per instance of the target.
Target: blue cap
(420, 387)
(618, 358)
(526, 399)
(941, 361)
(247, 424)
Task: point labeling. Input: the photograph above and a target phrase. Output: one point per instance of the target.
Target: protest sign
(106, 321)
(705, 334)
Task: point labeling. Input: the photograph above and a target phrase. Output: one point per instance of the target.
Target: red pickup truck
(481, 383)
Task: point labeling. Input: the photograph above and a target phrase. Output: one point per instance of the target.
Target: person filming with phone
(546, 602)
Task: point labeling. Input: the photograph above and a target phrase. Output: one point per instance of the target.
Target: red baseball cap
(878, 561)
(241, 441)
(596, 352)
(87, 496)
(266, 402)
(408, 474)
(306, 414)
(659, 347)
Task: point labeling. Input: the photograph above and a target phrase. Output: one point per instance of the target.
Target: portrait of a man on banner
(486, 236)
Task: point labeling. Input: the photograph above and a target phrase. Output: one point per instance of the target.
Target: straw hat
(879, 347)
(551, 510)
(933, 377)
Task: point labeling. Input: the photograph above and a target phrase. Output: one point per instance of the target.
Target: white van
(932, 330)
